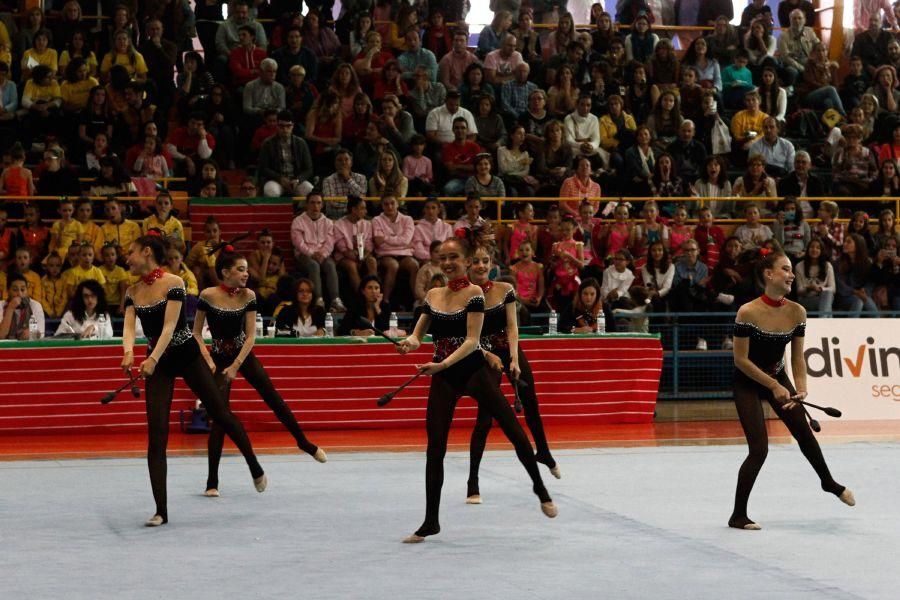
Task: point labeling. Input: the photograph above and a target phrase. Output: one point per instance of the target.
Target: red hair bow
(228, 248)
(765, 252)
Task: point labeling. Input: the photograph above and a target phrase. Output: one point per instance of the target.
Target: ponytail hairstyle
(156, 241)
(228, 256)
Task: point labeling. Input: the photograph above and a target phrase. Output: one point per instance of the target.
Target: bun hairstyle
(475, 237)
(156, 241)
(228, 256)
(767, 259)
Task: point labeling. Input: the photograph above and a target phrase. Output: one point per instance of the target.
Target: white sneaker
(338, 306)
(320, 302)
(728, 344)
(726, 299)
(701, 344)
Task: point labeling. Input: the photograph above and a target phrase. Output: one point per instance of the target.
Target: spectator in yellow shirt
(83, 271)
(78, 48)
(163, 220)
(117, 229)
(40, 53)
(200, 260)
(84, 213)
(53, 289)
(23, 266)
(76, 89)
(175, 266)
(274, 271)
(65, 231)
(747, 125)
(117, 280)
(124, 54)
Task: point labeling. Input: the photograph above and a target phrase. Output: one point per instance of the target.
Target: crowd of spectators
(389, 101)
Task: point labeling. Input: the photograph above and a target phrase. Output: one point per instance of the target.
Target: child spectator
(16, 179)
(550, 233)
(529, 277)
(752, 233)
(417, 168)
(644, 234)
(679, 231)
(258, 260)
(567, 262)
(88, 318)
(430, 228)
(268, 128)
(829, 230)
(201, 261)
(427, 272)
(65, 231)
(272, 273)
(23, 266)
(175, 266)
(54, 292)
(82, 271)
(18, 310)
(117, 279)
(790, 230)
(709, 236)
(165, 221)
(522, 230)
(84, 213)
(117, 229)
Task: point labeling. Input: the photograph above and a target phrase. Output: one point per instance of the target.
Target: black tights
(532, 419)
(256, 375)
(446, 389)
(159, 400)
(747, 396)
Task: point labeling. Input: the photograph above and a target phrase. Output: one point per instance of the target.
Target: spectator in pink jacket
(312, 235)
(393, 235)
(430, 228)
(353, 243)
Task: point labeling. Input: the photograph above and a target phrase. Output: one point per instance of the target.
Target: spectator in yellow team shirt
(175, 266)
(165, 221)
(117, 280)
(65, 231)
(117, 229)
(23, 266)
(83, 271)
(200, 261)
(93, 235)
(53, 288)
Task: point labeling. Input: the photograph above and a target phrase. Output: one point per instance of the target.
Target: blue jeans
(824, 98)
(820, 303)
(855, 306)
(455, 187)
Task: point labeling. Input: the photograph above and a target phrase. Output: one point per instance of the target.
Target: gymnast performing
(454, 315)
(762, 330)
(500, 340)
(230, 309)
(158, 301)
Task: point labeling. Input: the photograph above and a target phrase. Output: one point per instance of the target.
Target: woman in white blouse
(88, 317)
(514, 164)
(303, 317)
(658, 274)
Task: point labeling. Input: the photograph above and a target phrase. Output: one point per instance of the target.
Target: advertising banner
(854, 365)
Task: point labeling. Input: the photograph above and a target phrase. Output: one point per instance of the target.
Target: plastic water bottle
(329, 325)
(260, 333)
(601, 323)
(392, 323)
(101, 327)
(33, 331)
(554, 319)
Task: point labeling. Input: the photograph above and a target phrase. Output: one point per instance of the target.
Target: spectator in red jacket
(192, 143)
(244, 60)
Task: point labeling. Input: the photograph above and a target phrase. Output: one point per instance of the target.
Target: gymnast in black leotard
(500, 336)
(158, 300)
(230, 310)
(453, 316)
(762, 330)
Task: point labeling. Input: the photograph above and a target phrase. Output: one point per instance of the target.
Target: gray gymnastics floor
(633, 523)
